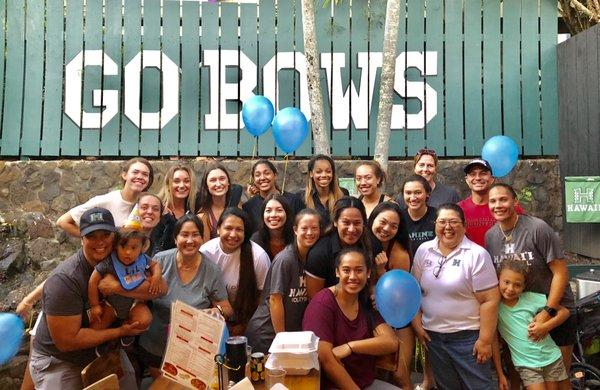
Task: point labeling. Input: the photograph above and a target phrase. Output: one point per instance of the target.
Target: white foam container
(295, 352)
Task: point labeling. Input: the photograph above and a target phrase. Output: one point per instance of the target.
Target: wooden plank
(286, 84)
(169, 142)
(582, 137)
(249, 48)
(340, 81)
(363, 28)
(132, 44)
(266, 53)
(303, 101)
(492, 98)
(548, 33)
(398, 130)
(434, 41)
(109, 137)
(532, 132)
(151, 88)
(415, 35)
(593, 95)
(92, 78)
(563, 109)
(71, 133)
(2, 62)
(190, 77)
(34, 78)
(511, 73)
(228, 133)
(210, 79)
(570, 99)
(15, 63)
(472, 71)
(325, 33)
(454, 80)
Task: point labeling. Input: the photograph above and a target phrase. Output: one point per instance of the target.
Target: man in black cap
(64, 344)
(479, 219)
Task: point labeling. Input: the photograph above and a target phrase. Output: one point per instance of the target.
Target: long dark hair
(347, 202)
(364, 296)
(246, 299)
(204, 200)
(335, 192)
(401, 236)
(264, 233)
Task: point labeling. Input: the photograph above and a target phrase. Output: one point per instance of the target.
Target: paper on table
(194, 337)
(244, 384)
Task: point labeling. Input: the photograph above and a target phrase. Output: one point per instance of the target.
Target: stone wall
(33, 194)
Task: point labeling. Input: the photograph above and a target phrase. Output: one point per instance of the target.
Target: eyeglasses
(426, 151)
(452, 222)
(438, 269)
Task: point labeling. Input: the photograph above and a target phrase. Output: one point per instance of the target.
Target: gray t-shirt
(441, 194)
(285, 277)
(533, 241)
(206, 287)
(66, 294)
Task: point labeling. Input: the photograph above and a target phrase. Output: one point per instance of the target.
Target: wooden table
(292, 382)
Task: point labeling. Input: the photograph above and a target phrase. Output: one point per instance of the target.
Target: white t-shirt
(448, 301)
(113, 202)
(229, 263)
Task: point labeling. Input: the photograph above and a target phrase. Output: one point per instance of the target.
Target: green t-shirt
(512, 325)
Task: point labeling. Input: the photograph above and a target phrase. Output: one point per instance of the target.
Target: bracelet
(351, 351)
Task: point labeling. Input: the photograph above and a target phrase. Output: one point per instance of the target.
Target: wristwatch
(550, 310)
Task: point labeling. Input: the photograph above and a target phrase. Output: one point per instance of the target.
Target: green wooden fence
(166, 78)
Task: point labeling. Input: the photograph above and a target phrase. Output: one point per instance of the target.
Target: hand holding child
(95, 314)
(537, 330)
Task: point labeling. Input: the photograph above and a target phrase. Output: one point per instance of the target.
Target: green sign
(582, 199)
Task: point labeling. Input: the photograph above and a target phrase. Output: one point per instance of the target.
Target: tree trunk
(319, 131)
(386, 89)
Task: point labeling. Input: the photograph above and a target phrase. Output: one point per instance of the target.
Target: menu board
(194, 337)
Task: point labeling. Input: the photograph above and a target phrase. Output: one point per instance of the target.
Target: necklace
(508, 237)
(187, 267)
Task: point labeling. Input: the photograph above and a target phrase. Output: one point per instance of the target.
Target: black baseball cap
(96, 218)
(478, 162)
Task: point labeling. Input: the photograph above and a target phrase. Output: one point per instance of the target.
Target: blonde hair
(165, 193)
(335, 192)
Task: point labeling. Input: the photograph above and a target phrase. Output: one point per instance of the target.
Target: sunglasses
(430, 152)
(438, 269)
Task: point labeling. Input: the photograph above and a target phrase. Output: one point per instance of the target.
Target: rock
(9, 174)
(540, 194)
(16, 366)
(63, 203)
(50, 191)
(49, 265)
(42, 249)
(11, 257)
(36, 225)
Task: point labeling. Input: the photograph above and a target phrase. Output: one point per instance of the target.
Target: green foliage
(525, 195)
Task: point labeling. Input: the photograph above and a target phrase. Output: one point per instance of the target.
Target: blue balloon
(398, 297)
(502, 153)
(224, 338)
(11, 333)
(257, 114)
(290, 128)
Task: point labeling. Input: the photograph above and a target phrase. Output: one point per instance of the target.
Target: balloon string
(254, 147)
(284, 172)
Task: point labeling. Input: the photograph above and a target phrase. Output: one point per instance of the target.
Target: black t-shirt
(320, 207)
(66, 294)
(254, 204)
(421, 230)
(320, 262)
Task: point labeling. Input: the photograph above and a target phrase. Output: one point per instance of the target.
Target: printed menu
(194, 337)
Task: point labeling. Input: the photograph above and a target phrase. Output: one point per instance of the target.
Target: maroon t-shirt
(324, 317)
